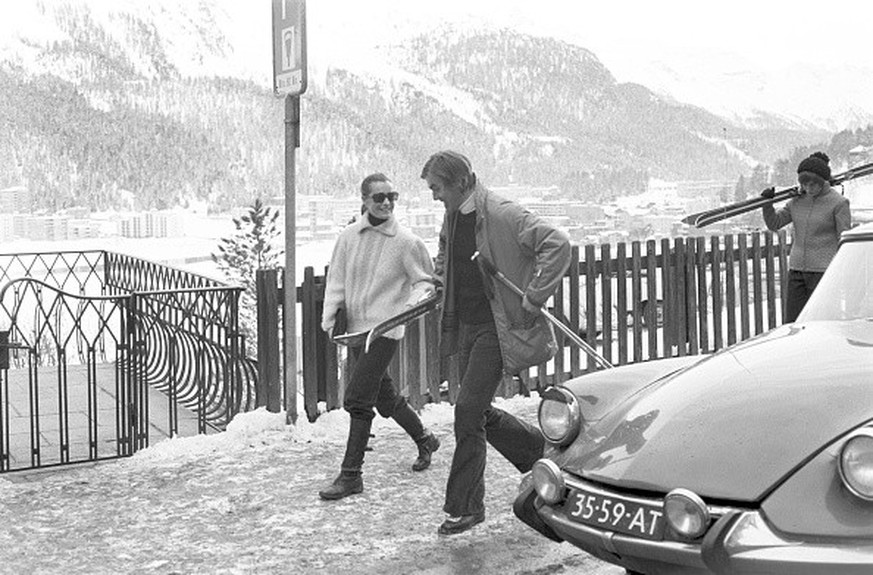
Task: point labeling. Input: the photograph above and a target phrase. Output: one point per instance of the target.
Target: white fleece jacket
(375, 273)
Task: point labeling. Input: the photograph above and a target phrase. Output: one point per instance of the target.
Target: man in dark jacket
(491, 327)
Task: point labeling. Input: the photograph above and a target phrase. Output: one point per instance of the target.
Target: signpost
(289, 81)
(289, 47)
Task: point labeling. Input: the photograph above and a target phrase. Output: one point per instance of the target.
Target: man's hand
(768, 193)
(530, 306)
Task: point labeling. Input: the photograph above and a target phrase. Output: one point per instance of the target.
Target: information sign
(289, 47)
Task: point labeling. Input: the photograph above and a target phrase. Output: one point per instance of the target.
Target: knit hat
(816, 163)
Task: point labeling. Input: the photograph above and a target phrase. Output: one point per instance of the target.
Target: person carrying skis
(377, 268)
(819, 215)
(492, 328)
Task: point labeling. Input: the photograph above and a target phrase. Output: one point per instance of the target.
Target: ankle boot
(349, 480)
(426, 441)
(426, 446)
(346, 483)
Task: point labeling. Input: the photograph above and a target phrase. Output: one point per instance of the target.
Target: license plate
(617, 514)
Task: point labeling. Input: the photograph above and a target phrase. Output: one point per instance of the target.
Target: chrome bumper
(740, 542)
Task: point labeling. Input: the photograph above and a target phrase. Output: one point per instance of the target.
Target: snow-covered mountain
(762, 95)
(152, 36)
(166, 102)
(231, 37)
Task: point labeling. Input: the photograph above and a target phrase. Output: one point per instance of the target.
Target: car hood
(735, 424)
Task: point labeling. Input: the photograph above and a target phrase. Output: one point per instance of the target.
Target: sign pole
(289, 80)
(292, 142)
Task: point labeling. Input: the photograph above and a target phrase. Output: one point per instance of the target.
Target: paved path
(37, 433)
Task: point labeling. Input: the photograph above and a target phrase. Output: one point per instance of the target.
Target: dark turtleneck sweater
(471, 301)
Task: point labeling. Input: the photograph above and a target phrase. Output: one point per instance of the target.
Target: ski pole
(573, 336)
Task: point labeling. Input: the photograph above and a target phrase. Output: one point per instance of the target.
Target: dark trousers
(800, 287)
(477, 421)
(370, 386)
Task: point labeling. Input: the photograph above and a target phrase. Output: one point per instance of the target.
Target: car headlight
(856, 464)
(560, 416)
(686, 513)
(548, 480)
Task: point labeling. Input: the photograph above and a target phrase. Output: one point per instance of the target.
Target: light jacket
(532, 254)
(818, 223)
(375, 273)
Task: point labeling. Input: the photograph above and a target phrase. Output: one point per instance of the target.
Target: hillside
(114, 100)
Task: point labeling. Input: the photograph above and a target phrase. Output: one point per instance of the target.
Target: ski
(416, 311)
(707, 217)
(714, 215)
(351, 339)
(365, 338)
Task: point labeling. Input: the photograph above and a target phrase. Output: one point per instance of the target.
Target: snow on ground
(245, 501)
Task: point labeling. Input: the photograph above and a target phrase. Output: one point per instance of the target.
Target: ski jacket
(530, 253)
(818, 223)
(375, 272)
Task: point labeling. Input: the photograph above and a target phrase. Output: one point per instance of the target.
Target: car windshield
(846, 290)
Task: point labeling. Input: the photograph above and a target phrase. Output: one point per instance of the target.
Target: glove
(769, 193)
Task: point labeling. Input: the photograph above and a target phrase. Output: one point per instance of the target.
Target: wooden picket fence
(650, 300)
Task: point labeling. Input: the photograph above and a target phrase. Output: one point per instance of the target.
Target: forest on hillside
(527, 111)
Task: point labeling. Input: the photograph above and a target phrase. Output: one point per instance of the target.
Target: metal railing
(91, 335)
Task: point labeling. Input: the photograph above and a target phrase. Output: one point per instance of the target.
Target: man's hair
(372, 178)
(452, 168)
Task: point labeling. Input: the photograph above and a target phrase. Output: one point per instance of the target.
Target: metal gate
(91, 371)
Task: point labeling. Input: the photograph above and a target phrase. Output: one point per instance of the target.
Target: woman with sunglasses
(378, 267)
(819, 215)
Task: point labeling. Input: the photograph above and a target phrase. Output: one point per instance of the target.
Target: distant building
(19, 225)
(689, 188)
(550, 208)
(153, 224)
(78, 229)
(860, 155)
(7, 227)
(338, 210)
(584, 212)
(14, 200)
(51, 228)
(519, 193)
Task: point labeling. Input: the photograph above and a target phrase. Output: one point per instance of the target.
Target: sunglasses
(380, 197)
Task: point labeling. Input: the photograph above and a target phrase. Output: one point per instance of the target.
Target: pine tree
(250, 248)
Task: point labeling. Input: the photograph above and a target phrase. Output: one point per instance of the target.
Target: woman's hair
(452, 168)
(372, 178)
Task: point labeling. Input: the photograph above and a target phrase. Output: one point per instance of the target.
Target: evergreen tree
(250, 248)
(740, 189)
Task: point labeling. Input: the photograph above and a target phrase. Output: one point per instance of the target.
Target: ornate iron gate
(95, 370)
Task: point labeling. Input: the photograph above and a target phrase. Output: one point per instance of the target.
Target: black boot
(349, 480)
(426, 446)
(426, 441)
(346, 483)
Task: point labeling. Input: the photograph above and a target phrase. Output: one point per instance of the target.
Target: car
(755, 459)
